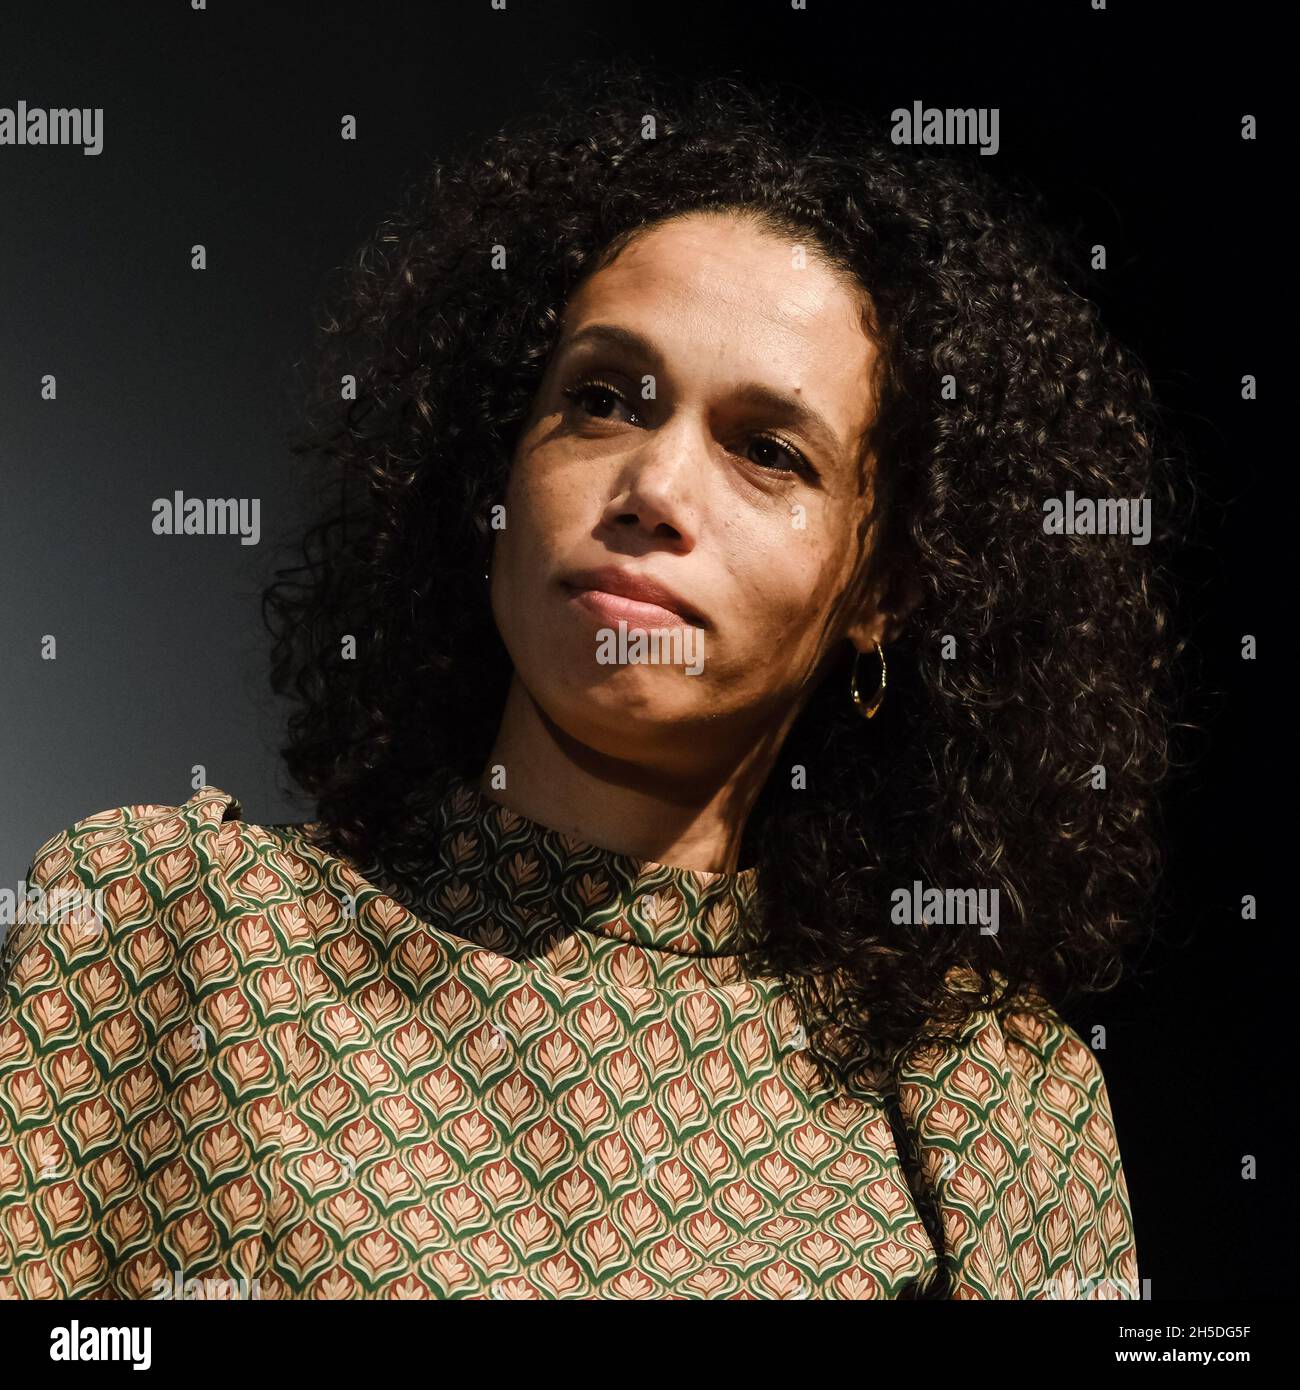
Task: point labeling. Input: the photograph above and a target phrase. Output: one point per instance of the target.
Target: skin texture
(693, 489)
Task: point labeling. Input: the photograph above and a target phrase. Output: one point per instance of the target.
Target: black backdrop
(222, 127)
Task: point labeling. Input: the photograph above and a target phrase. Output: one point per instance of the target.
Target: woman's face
(737, 486)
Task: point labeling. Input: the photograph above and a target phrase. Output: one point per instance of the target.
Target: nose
(658, 488)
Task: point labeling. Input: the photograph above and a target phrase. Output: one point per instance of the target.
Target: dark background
(222, 127)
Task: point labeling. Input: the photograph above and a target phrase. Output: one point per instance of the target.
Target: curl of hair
(1029, 661)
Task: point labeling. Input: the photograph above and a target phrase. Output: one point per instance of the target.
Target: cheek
(541, 521)
(543, 498)
(782, 583)
(528, 532)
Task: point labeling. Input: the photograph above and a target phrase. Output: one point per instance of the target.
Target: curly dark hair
(1029, 660)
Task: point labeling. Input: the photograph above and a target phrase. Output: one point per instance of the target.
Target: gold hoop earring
(868, 708)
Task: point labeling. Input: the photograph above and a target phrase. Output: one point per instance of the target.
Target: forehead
(744, 293)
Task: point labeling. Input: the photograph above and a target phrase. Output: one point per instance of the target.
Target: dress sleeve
(97, 1041)
(1015, 1143)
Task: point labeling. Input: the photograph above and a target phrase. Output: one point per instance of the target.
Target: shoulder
(1056, 1066)
(99, 846)
(105, 853)
(107, 844)
(146, 992)
(1026, 1054)
(124, 882)
(1071, 1126)
(1015, 1122)
(1026, 1041)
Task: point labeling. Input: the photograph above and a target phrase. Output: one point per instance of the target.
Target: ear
(884, 623)
(870, 629)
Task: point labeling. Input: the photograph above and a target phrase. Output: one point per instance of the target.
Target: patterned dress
(247, 1070)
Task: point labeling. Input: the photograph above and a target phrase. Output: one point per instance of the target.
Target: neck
(693, 817)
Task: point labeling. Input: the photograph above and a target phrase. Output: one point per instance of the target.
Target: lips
(615, 594)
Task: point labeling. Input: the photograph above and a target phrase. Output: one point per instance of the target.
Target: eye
(604, 397)
(795, 461)
(594, 390)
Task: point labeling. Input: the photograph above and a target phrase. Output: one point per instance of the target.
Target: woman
(723, 768)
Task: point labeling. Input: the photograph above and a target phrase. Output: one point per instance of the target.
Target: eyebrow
(789, 409)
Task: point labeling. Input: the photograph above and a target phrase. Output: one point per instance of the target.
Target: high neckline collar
(661, 907)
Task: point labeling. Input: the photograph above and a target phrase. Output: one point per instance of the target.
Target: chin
(606, 712)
